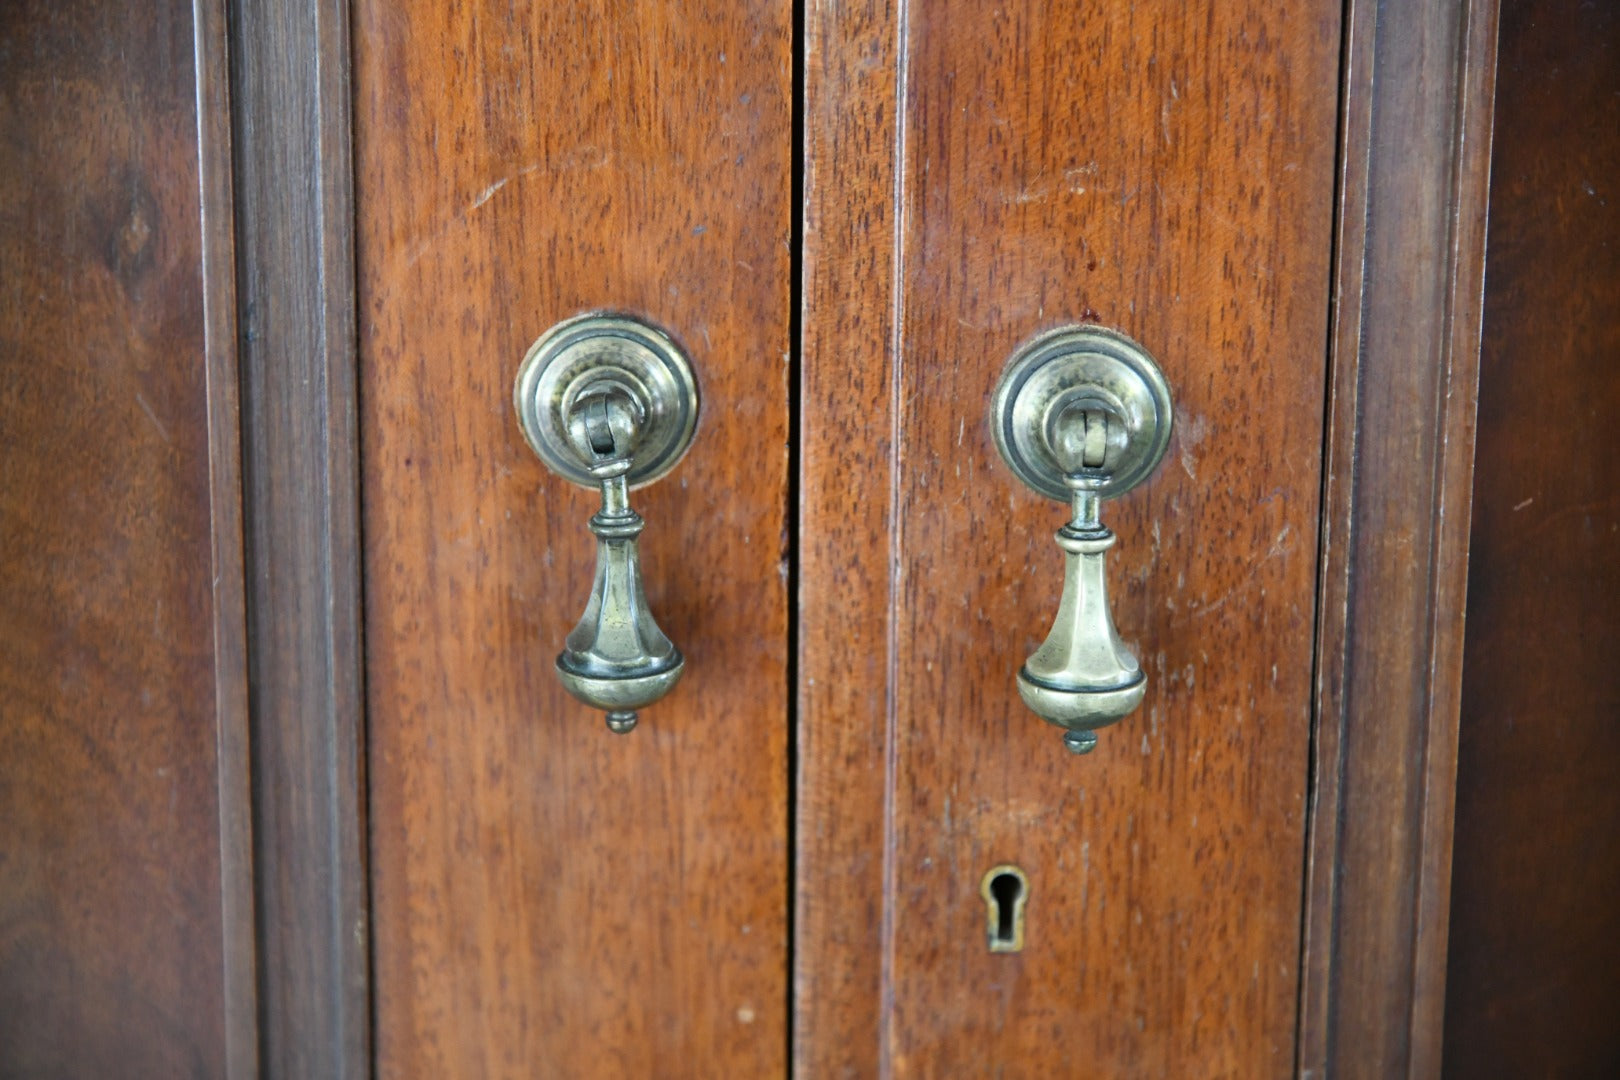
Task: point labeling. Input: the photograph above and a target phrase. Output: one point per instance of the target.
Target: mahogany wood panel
(1409, 248)
(1533, 987)
(549, 897)
(847, 341)
(290, 96)
(125, 905)
(1166, 169)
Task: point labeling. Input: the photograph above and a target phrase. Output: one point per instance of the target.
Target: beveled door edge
(295, 285)
(1416, 108)
(232, 731)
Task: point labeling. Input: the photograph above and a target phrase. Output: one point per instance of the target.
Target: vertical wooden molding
(231, 716)
(1409, 275)
(853, 91)
(295, 267)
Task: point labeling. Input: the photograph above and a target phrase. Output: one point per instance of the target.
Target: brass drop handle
(609, 401)
(1082, 414)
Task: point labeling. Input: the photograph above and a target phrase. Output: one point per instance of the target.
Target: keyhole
(1005, 890)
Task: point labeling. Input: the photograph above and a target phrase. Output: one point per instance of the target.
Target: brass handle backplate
(1082, 414)
(609, 402)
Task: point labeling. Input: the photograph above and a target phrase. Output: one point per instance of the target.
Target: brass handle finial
(609, 401)
(1082, 414)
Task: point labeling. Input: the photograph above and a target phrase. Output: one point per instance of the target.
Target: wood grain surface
(1533, 987)
(295, 239)
(125, 907)
(847, 414)
(552, 899)
(1410, 245)
(1166, 169)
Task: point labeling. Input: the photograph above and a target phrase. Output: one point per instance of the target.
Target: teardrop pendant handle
(1082, 414)
(609, 401)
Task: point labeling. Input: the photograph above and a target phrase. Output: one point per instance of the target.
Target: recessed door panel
(551, 897)
(1162, 169)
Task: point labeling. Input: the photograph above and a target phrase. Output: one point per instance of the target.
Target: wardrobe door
(977, 174)
(126, 920)
(549, 897)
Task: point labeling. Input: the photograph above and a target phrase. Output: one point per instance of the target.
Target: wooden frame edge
(221, 374)
(1470, 203)
(1408, 283)
(294, 182)
(852, 277)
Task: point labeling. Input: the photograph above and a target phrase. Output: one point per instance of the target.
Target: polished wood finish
(126, 924)
(549, 896)
(1410, 247)
(1167, 170)
(239, 993)
(849, 252)
(1533, 986)
(296, 290)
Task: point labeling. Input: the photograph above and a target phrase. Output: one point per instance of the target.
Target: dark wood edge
(1408, 282)
(1454, 511)
(291, 107)
(239, 1007)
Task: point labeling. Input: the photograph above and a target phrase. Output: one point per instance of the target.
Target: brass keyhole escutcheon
(1005, 890)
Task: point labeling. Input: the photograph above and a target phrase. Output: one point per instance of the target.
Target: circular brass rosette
(620, 350)
(1080, 366)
